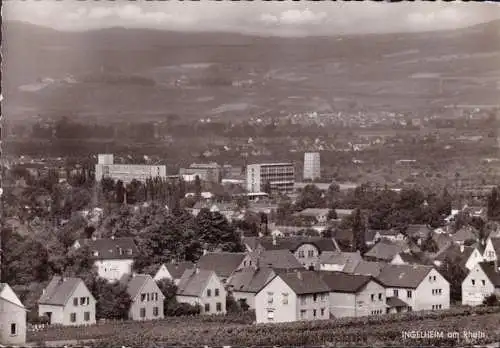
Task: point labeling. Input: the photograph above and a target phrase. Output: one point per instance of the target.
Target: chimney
(299, 275)
(461, 248)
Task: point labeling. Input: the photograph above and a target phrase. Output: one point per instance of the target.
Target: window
(302, 314)
(86, 316)
(408, 293)
(72, 317)
(75, 301)
(314, 313)
(285, 298)
(207, 307)
(147, 296)
(143, 312)
(209, 292)
(13, 329)
(301, 254)
(143, 297)
(82, 301)
(303, 300)
(484, 282)
(218, 307)
(315, 298)
(395, 292)
(322, 311)
(270, 315)
(310, 253)
(270, 297)
(473, 281)
(380, 296)
(155, 311)
(156, 296)
(216, 292)
(372, 297)
(88, 300)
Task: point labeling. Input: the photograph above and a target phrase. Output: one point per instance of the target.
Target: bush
(176, 309)
(491, 300)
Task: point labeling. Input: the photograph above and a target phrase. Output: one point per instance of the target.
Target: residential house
(476, 211)
(418, 232)
(306, 249)
(492, 249)
(12, 318)
(443, 241)
(409, 258)
(246, 282)
(392, 235)
(386, 250)
(482, 281)
(466, 233)
(354, 295)
(342, 213)
(466, 256)
(292, 296)
(275, 259)
(68, 302)
(228, 210)
(113, 257)
(204, 288)
(339, 261)
(172, 271)
(147, 298)
(222, 263)
(420, 287)
(318, 214)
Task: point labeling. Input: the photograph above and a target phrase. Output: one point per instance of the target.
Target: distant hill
(368, 68)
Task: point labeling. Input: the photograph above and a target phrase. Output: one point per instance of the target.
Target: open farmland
(371, 331)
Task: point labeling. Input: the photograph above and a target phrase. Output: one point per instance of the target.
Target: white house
(12, 318)
(245, 283)
(492, 249)
(292, 296)
(482, 281)
(147, 298)
(419, 287)
(67, 301)
(172, 271)
(113, 257)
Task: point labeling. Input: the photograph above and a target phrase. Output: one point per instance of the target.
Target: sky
(284, 18)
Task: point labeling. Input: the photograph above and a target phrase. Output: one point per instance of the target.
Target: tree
(120, 192)
(493, 206)
(113, 300)
(267, 187)
(491, 300)
(168, 289)
(310, 197)
(451, 270)
(231, 305)
(430, 245)
(197, 187)
(332, 214)
(359, 232)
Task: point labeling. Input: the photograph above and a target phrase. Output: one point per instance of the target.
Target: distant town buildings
(312, 169)
(279, 176)
(211, 172)
(105, 168)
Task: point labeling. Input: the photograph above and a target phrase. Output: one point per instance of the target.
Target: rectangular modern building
(312, 168)
(105, 168)
(211, 172)
(279, 176)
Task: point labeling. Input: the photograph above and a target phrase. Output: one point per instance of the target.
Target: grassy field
(371, 331)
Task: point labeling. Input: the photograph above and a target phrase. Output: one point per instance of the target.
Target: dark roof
(385, 250)
(251, 242)
(109, 248)
(456, 254)
(304, 282)
(348, 259)
(442, 240)
(392, 232)
(193, 282)
(463, 234)
(395, 302)
(420, 231)
(413, 258)
(403, 276)
(370, 235)
(493, 275)
(222, 263)
(59, 291)
(293, 243)
(496, 244)
(176, 270)
(137, 282)
(276, 259)
(250, 279)
(371, 268)
(344, 282)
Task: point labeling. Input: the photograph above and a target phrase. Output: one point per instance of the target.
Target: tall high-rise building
(279, 176)
(105, 168)
(312, 166)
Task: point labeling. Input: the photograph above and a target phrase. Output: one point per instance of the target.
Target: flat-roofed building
(105, 168)
(312, 167)
(280, 176)
(211, 172)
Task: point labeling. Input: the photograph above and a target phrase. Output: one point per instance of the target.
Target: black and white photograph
(250, 174)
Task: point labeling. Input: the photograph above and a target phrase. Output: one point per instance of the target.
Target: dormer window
(95, 253)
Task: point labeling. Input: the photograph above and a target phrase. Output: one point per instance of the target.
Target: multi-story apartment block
(312, 168)
(279, 176)
(105, 168)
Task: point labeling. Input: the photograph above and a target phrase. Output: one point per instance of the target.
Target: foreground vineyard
(372, 331)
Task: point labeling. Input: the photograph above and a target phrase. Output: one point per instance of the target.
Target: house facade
(247, 282)
(482, 281)
(12, 317)
(292, 296)
(147, 298)
(492, 249)
(68, 302)
(203, 288)
(172, 271)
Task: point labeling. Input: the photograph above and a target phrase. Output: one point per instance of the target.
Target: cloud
(294, 17)
(100, 12)
(439, 18)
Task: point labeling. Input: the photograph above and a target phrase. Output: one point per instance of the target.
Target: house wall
(331, 267)
(57, 316)
(320, 305)
(474, 294)
(11, 313)
(489, 251)
(143, 303)
(302, 254)
(163, 273)
(342, 304)
(364, 303)
(424, 296)
(212, 300)
(397, 260)
(282, 312)
(474, 259)
(402, 295)
(114, 270)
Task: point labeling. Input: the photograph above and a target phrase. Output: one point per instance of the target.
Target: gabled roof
(492, 274)
(348, 259)
(456, 253)
(304, 282)
(193, 282)
(176, 270)
(344, 282)
(137, 282)
(496, 244)
(222, 263)
(403, 276)
(464, 234)
(250, 279)
(418, 230)
(395, 302)
(59, 291)
(385, 250)
(442, 240)
(293, 243)
(109, 248)
(7, 294)
(276, 259)
(371, 268)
